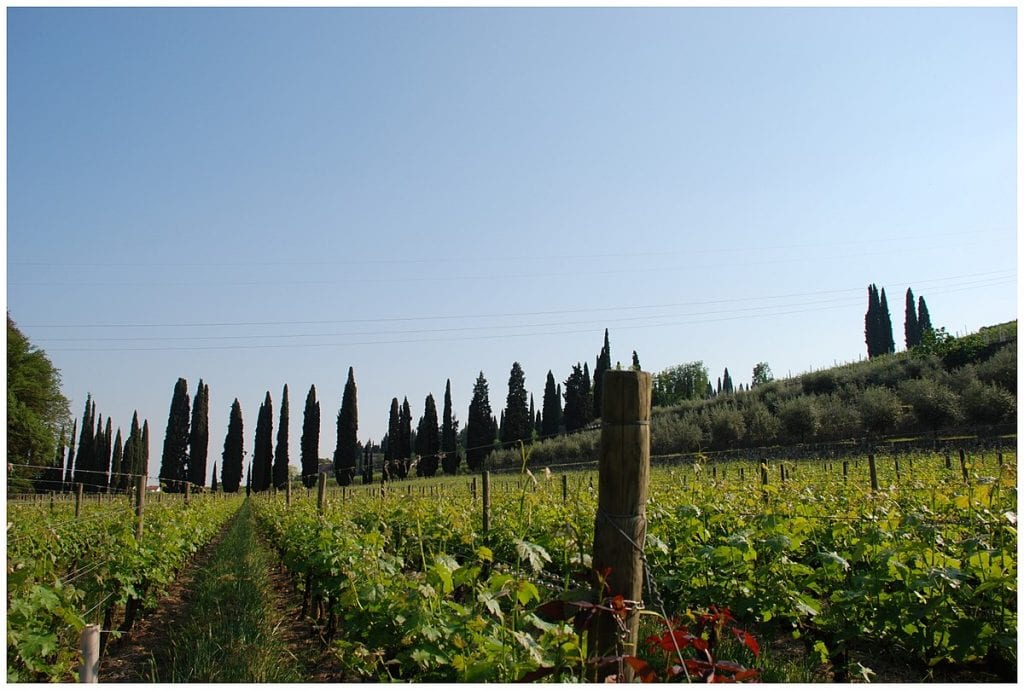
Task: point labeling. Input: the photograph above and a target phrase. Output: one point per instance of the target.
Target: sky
(262, 197)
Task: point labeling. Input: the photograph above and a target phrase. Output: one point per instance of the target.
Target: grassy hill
(949, 386)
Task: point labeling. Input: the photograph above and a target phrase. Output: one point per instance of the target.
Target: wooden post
(565, 488)
(89, 644)
(846, 469)
(963, 465)
(1000, 456)
(949, 463)
(896, 462)
(188, 491)
(487, 501)
(140, 500)
(873, 471)
(472, 489)
(78, 499)
(764, 474)
(288, 495)
(321, 493)
(620, 526)
(782, 472)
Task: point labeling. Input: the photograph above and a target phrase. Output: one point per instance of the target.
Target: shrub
(880, 410)
(799, 417)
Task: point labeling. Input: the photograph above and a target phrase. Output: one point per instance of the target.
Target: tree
(263, 451)
(551, 408)
(213, 479)
(144, 449)
(106, 449)
(799, 417)
(762, 374)
(871, 323)
(636, 362)
(36, 408)
(391, 457)
(310, 441)
(880, 410)
(174, 461)
(85, 461)
(428, 440)
(727, 387)
(886, 342)
(346, 451)
(934, 404)
(231, 458)
(604, 363)
(727, 427)
(577, 400)
(682, 382)
(116, 461)
(281, 451)
(132, 460)
(480, 426)
(924, 319)
(449, 434)
(199, 436)
(911, 330)
(517, 420)
(404, 438)
(69, 469)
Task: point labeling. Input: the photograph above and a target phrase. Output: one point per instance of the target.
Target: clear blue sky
(268, 197)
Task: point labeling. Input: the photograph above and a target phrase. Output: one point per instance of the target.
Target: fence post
(846, 469)
(487, 501)
(620, 526)
(472, 489)
(78, 499)
(1000, 456)
(321, 492)
(963, 465)
(89, 644)
(188, 491)
(140, 500)
(565, 488)
(873, 471)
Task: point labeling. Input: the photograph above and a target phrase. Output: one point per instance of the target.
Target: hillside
(949, 386)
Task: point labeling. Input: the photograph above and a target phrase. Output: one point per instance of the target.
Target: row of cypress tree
(102, 461)
(878, 323)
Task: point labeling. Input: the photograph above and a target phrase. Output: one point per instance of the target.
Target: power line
(785, 311)
(554, 312)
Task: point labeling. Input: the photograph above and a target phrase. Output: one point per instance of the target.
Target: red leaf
(744, 675)
(641, 668)
(748, 639)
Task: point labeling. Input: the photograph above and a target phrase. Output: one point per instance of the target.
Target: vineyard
(404, 583)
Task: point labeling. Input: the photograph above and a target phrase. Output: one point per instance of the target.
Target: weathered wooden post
(620, 526)
(873, 471)
(782, 472)
(963, 465)
(846, 469)
(487, 501)
(896, 462)
(1000, 457)
(321, 493)
(565, 488)
(78, 499)
(89, 644)
(472, 489)
(188, 491)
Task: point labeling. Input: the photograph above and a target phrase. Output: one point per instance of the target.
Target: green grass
(229, 635)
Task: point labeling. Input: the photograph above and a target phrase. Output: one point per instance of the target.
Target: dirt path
(232, 615)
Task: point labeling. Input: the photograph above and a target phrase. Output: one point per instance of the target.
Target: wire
(506, 314)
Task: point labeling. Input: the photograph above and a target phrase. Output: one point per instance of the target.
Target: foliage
(762, 374)
(480, 428)
(518, 424)
(346, 451)
(880, 410)
(682, 382)
(263, 450)
(280, 471)
(36, 408)
(174, 461)
(199, 435)
(231, 458)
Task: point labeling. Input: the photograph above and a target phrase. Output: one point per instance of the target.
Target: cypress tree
(428, 439)
(871, 322)
(116, 461)
(480, 426)
(449, 433)
(924, 319)
(577, 400)
(231, 458)
(83, 461)
(346, 451)
(213, 479)
(263, 451)
(636, 362)
(604, 363)
(517, 420)
(886, 342)
(199, 436)
(404, 439)
(281, 451)
(534, 426)
(727, 387)
(391, 452)
(144, 450)
(537, 421)
(588, 395)
(106, 448)
(174, 461)
(310, 441)
(912, 334)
